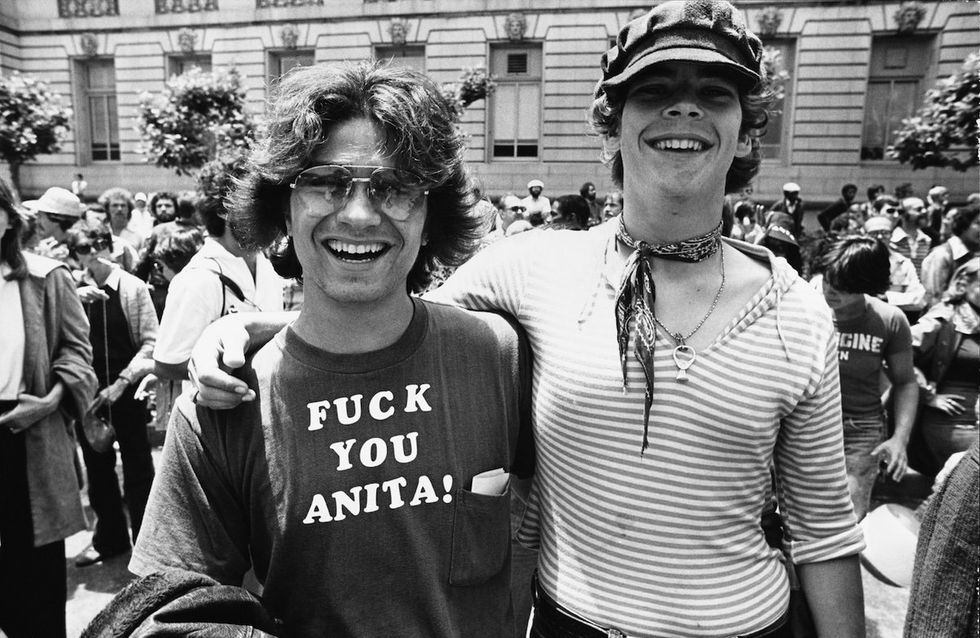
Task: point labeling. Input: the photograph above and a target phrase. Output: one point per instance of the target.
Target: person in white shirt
(536, 204)
(221, 278)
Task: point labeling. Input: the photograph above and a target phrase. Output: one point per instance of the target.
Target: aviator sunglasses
(394, 191)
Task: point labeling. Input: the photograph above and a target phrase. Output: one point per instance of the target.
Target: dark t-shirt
(864, 343)
(346, 483)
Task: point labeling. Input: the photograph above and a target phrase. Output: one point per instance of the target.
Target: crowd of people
(455, 425)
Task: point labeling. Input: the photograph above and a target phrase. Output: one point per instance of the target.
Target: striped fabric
(668, 543)
(914, 248)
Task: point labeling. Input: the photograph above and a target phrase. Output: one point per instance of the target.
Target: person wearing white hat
(141, 221)
(791, 204)
(536, 205)
(57, 210)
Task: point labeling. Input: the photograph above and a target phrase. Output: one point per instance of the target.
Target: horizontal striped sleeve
(809, 459)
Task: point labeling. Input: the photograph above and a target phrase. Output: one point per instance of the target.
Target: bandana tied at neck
(637, 295)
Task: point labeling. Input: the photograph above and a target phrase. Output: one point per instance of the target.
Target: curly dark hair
(420, 133)
(606, 118)
(215, 182)
(962, 218)
(857, 265)
(117, 193)
(157, 197)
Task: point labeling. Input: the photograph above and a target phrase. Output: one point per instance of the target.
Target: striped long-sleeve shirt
(668, 543)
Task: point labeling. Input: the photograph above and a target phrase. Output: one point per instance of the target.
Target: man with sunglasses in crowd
(367, 485)
(672, 370)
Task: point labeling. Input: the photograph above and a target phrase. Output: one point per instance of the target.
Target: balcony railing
(87, 8)
(266, 4)
(185, 6)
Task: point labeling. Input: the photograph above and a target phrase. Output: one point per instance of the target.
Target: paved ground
(91, 588)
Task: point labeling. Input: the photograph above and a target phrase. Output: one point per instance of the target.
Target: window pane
(528, 111)
(98, 118)
(101, 75)
(901, 105)
(887, 105)
(504, 112)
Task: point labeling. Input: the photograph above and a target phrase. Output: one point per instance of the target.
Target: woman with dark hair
(46, 381)
(873, 339)
(947, 350)
(123, 329)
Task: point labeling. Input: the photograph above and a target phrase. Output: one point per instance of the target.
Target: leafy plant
(473, 84)
(200, 116)
(776, 74)
(33, 121)
(944, 131)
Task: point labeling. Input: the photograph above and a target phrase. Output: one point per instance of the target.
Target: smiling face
(354, 253)
(681, 129)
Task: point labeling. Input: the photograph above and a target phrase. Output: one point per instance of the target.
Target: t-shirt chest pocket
(481, 537)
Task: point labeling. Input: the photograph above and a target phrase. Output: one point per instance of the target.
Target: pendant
(684, 356)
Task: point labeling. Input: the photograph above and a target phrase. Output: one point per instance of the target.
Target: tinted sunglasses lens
(332, 182)
(396, 191)
(83, 249)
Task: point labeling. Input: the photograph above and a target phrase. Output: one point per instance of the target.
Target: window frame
(535, 77)
(85, 144)
(924, 53)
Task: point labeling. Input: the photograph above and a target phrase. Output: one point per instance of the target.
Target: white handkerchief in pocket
(491, 483)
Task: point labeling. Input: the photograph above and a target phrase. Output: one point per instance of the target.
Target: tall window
(178, 64)
(781, 52)
(410, 56)
(895, 87)
(98, 119)
(515, 112)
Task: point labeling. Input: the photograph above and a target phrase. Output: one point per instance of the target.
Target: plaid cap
(704, 31)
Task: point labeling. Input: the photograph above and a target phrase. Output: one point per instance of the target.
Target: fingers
(233, 345)
(218, 399)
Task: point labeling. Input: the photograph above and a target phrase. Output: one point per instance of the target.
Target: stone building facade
(855, 70)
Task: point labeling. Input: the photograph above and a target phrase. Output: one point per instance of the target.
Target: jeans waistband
(567, 624)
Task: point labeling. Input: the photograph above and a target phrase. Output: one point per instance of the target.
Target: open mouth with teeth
(356, 253)
(679, 144)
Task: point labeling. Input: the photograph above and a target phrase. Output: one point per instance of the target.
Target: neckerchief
(637, 295)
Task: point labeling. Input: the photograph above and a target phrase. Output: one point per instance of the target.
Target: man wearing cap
(791, 204)
(536, 203)
(57, 210)
(673, 369)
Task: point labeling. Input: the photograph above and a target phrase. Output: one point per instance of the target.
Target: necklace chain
(677, 336)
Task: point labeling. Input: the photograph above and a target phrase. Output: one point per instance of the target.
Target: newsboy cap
(705, 31)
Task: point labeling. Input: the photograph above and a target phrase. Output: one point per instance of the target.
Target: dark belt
(563, 623)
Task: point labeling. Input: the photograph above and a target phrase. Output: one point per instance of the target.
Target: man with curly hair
(367, 484)
(673, 369)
